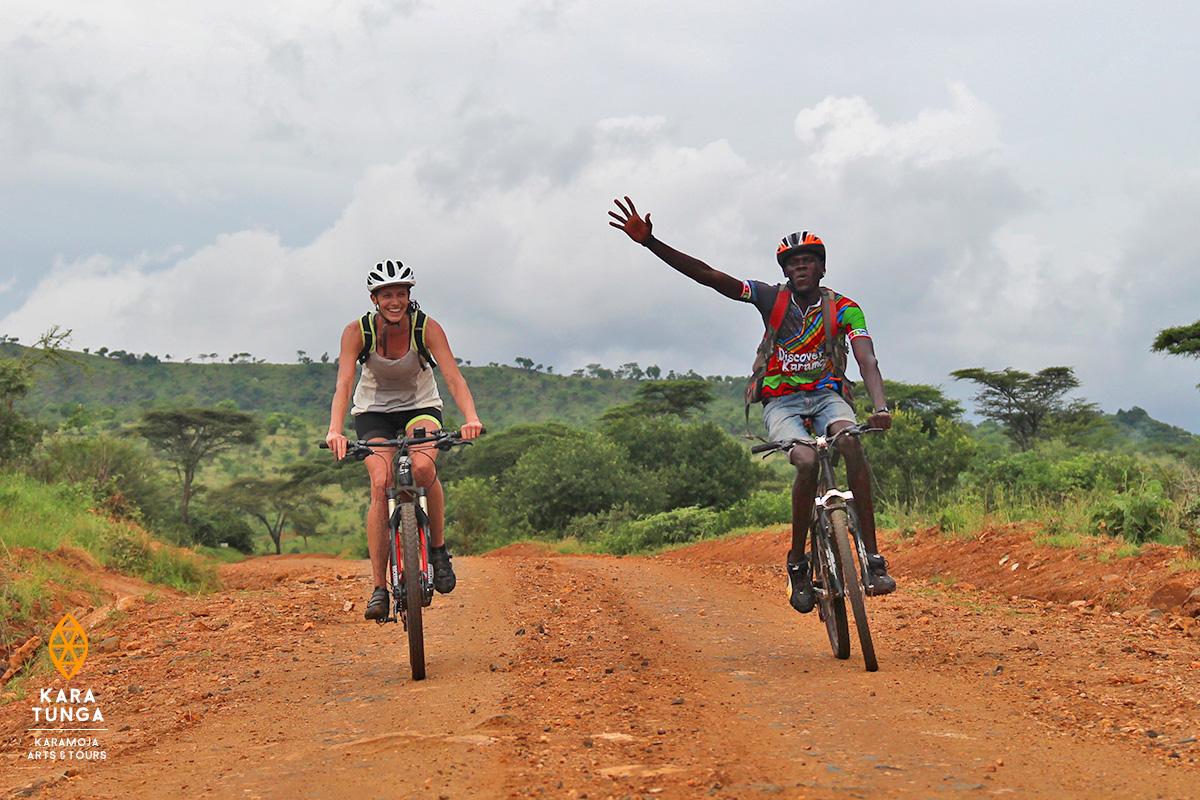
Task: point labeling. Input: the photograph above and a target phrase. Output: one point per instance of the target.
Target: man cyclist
(395, 394)
(799, 382)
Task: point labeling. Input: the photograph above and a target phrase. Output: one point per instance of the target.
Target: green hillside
(110, 392)
(113, 392)
(933, 465)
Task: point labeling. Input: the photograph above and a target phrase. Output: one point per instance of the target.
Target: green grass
(44, 516)
(1065, 540)
(1126, 550)
(1188, 564)
(47, 517)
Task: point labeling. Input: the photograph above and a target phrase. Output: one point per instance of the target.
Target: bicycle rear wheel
(831, 604)
(854, 587)
(410, 541)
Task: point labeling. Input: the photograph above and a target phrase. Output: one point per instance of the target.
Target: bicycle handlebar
(443, 440)
(857, 429)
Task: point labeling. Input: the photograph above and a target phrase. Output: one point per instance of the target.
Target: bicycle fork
(826, 504)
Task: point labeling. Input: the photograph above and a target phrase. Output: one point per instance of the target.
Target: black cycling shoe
(377, 606)
(800, 588)
(881, 582)
(443, 574)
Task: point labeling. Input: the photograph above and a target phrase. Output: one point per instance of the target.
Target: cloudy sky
(998, 183)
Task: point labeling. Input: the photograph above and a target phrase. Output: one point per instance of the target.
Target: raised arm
(640, 230)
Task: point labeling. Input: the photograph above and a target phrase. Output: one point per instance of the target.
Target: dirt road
(599, 677)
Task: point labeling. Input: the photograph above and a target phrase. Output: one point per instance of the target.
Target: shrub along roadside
(594, 484)
(57, 517)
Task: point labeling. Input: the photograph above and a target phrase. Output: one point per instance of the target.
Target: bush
(918, 460)
(1135, 515)
(760, 509)
(180, 570)
(494, 455)
(212, 527)
(1049, 475)
(677, 526)
(593, 528)
(18, 436)
(127, 550)
(1190, 522)
(124, 481)
(685, 464)
(554, 482)
(475, 521)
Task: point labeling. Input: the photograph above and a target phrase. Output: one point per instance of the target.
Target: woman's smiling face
(392, 301)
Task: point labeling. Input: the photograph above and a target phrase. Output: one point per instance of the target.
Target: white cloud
(522, 263)
(500, 205)
(844, 129)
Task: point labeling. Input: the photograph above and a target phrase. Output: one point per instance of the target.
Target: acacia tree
(19, 435)
(276, 503)
(1021, 403)
(1181, 341)
(188, 436)
(679, 398)
(926, 403)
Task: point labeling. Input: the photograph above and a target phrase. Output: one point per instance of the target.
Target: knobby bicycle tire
(410, 559)
(831, 603)
(854, 587)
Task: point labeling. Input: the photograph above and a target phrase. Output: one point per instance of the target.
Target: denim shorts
(784, 416)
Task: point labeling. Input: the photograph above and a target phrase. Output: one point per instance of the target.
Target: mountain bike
(840, 570)
(410, 570)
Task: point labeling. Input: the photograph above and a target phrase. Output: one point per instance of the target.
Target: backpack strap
(765, 347)
(778, 310)
(835, 350)
(419, 321)
(366, 327)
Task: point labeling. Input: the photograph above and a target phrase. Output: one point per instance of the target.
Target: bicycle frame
(834, 525)
(830, 498)
(409, 533)
(404, 485)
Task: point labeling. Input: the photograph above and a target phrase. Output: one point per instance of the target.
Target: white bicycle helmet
(390, 273)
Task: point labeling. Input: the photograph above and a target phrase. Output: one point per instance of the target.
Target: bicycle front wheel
(854, 587)
(831, 603)
(411, 561)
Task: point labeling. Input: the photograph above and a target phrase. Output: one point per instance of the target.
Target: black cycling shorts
(389, 425)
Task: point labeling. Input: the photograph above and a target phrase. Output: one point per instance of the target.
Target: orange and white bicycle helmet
(802, 242)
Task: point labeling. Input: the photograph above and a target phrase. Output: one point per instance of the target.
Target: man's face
(804, 272)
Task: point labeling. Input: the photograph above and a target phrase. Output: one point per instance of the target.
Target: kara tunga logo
(65, 722)
(67, 708)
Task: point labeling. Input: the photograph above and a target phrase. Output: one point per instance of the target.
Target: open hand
(635, 226)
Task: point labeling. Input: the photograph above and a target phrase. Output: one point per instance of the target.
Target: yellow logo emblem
(68, 646)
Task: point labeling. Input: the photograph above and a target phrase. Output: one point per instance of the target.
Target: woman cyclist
(395, 394)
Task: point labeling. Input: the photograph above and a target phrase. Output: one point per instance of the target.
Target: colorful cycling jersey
(799, 363)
